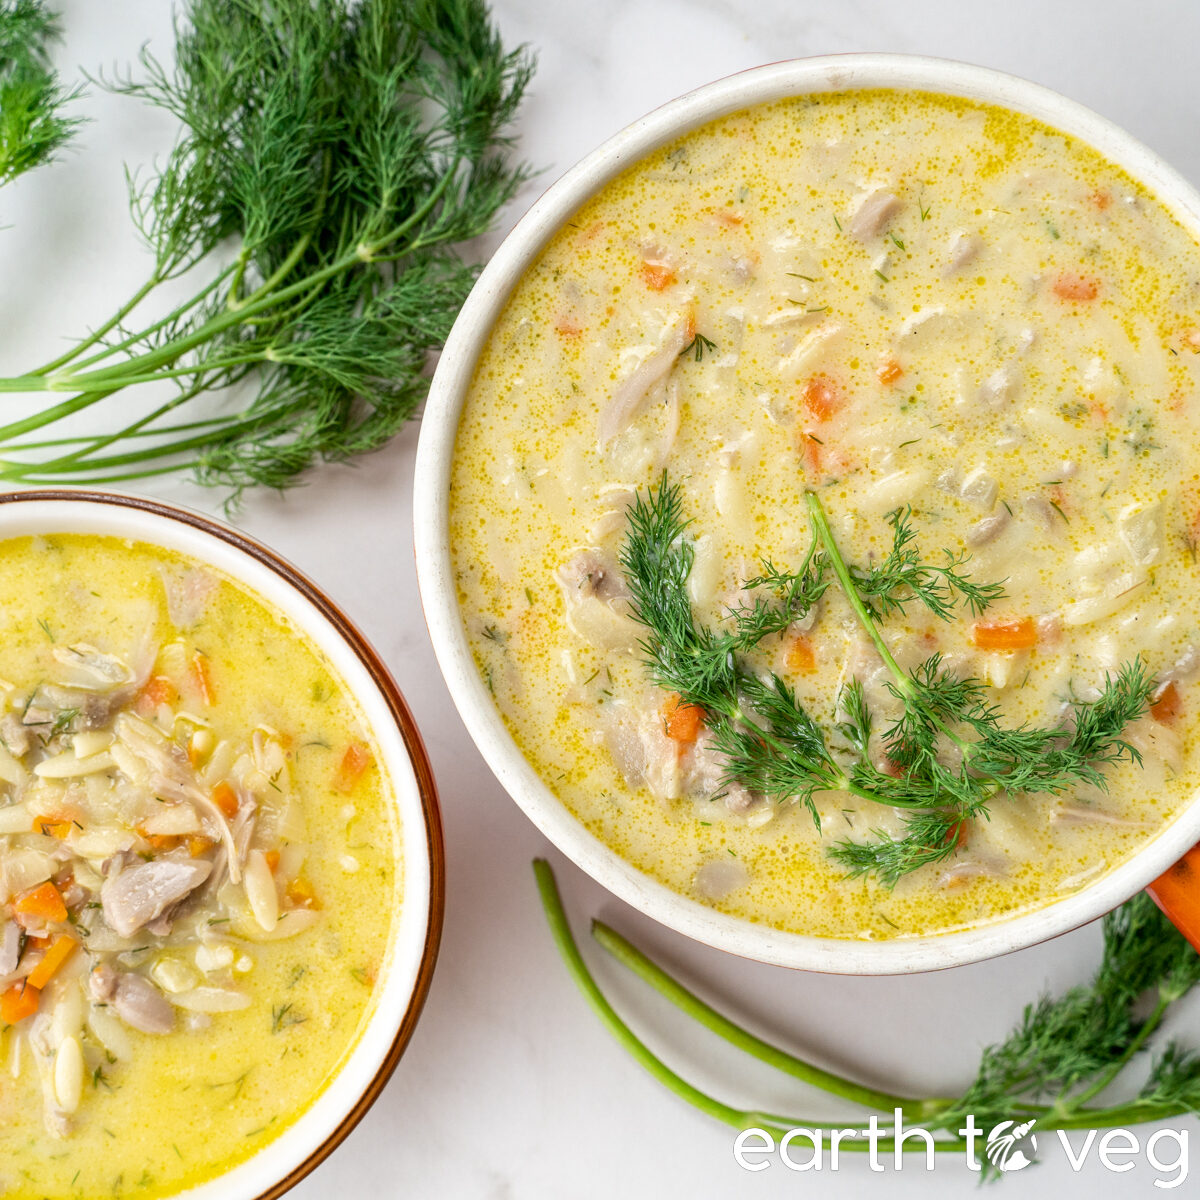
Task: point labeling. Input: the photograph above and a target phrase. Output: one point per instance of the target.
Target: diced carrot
(272, 857)
(821, 397)
(51, 828)
(158, 841)
(800, 655)
(657, 276)
(1070, 285)
(47, 966)
(45, 901)
(225, 798)
(1018, 634)
(1167, 703)
(888, 371)
(300, 892)
(729, 219)
(683, 722)
(160, 690)
(203, 677)
(812, 449)
(350, 770)
(198, 845)
(956, 836)
(18, 1002)
(1100, 199)
(567, 327)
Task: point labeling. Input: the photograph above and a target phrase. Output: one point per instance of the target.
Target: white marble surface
(510, 1087)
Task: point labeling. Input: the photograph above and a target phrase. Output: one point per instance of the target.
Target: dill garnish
(772, 745)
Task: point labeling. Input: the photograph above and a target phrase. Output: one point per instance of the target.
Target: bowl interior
(405, 977)
(431, 510)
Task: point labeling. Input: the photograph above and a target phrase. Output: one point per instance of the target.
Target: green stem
(691, 1004)
(150, 330)
(904, 683)
(1151, 1023)
(569, 950)
(97, 334)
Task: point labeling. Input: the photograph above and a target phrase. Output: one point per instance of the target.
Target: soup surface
(910, 310)
(198, 870)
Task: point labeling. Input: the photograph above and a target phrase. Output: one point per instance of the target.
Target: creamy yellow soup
(896, 301)
(198, 866)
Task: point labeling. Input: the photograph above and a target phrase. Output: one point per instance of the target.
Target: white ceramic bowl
(804, 76)
(408, 968)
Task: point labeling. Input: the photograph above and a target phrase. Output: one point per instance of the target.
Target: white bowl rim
(796, 77)
(407, 973)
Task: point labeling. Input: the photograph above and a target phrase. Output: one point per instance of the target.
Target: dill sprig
(331, 156)
(773, 745)
(33, 128)
(1062, 1054)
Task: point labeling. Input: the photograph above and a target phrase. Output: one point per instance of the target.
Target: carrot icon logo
(1006, 1146)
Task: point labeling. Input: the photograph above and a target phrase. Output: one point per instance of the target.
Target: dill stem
(569, 950)
(161, 323)
(1152, 1022)
(771, 1123)
(79, 460)
(49, 415)
(96, 334)
(691, 1004)
(904, 684)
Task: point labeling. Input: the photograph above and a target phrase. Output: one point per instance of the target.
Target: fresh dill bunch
(1066, 1050)
(33, 128)
(773, 745)
(331, 156)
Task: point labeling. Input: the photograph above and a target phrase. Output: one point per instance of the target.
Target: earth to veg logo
(1007, 1146)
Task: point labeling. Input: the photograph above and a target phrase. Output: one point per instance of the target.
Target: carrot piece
(225, 798)
(821, 397)
(800, 655)
(272, 857)
(45, 900)
(888, 371)
(47, 967)
(728, 218)
(1167, 703)
(567, 327)
(956, 836)
(1071, 286)
(354, 762)
(683, 722)
(158, 841)
(198, 845)
(1018, 634)
(1100, 199)
(300, 892)
(203, 678)
(51, 828)
(657, 276)
(18, 1002)
(160, 690)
